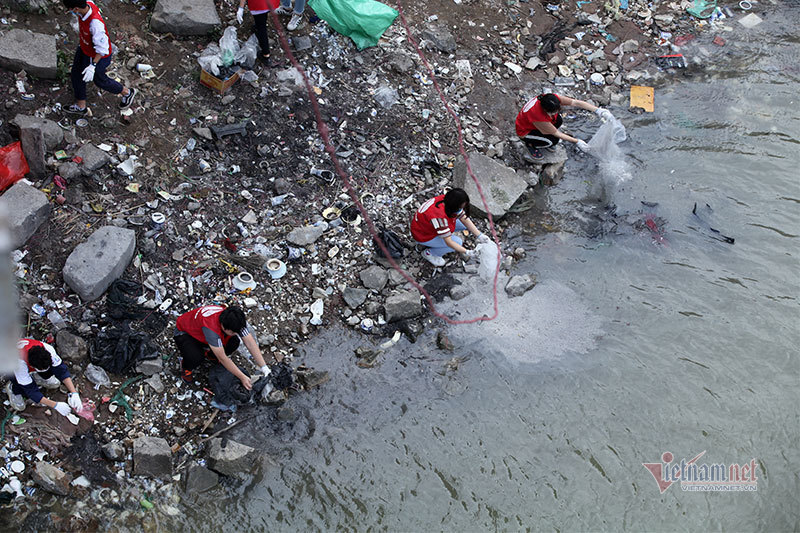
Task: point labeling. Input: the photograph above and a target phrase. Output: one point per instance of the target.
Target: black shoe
(550, 149)
(536, 155)
(127, 100)
(75, 110)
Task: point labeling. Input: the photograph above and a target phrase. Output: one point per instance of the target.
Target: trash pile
(223, 59)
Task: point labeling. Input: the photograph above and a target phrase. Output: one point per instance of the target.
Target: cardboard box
(216, 84)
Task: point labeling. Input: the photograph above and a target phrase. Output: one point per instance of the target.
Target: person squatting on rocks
(92, 57)
(435, 222)
(538, 122)
(39, 365)
(260, 10)
(213, 332)
(297, 16)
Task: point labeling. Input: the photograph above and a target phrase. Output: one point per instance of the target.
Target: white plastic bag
(210, 59)
(229, 46)
(487, 253)
(247, 54)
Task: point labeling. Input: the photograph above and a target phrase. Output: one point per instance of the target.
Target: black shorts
(194, 352)
(536, 139)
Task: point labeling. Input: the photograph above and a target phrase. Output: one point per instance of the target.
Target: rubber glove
(74, 400)
(469, 254)
(62, 408)
(582, 146)
(265, 370)
(604, 114)
(240, 15)
(88, 73)
(482, 238)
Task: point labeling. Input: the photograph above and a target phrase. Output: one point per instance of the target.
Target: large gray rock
(403, 304)
(152, 457)
(374, 277)
(69, 171)
(71, 347)
(53, 134)
(114, 450)
(519, 285)
(440, 38)
(26, 209)
(94, 264)
(35, 53)
(34, 148)
(230, 458)
(306, 235)
(184, 17)
(199, 479)
(354, 297)
(500, 184)
(51, 478)
(93, 157)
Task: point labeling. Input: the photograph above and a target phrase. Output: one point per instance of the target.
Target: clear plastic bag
(229, 46)
(247, 54)
(210, 60)
(97, 375)
(487, 253)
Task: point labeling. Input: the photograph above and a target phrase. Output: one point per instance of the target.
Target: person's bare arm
(470, 226)
(454, 245)
(548, 129)
(69, 385)
(574, 102)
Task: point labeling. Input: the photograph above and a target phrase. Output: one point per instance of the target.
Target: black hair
(233, 319)
(453, 201)
(39, 358)
(72, 4)
(549, 102)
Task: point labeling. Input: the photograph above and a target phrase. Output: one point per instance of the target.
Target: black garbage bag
(227, 388)
(122, 305)
(282, 376)
(392, 242)
(118, 348)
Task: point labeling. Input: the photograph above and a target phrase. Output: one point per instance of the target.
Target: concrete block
(184, 17)
(152, 457)
(94, 264)
(35, 53)
(501, 185)
(26, 208)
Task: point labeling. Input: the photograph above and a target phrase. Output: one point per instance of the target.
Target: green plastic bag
(702, 9)
(364, 21)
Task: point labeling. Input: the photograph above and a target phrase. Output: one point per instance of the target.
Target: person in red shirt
(213, 332)
(435, 222)
(92, 57)
(539, 119)
(40, 366)
(260, 10)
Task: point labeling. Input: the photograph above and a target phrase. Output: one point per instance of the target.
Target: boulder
(94, 264)
(184, 17)
(374, 277)
(53, 134)
(26, 209)
(69, 171)
(71, 347)
(519, 285)
(93, 158)
(501, 185)
(440, 38)
(33, 147)
(51, 478)
(310, 378)
(307, 234)
(35, 53)
(354, 297)
(229, 457)
(402, 304)
(199, 479)
(152, 457)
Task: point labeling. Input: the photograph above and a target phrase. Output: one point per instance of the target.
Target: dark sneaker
(550, 149)
(75, 110)
(186, 375)
(536, 155)
(127, 100)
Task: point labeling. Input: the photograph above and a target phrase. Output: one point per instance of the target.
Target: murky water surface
(627, 348)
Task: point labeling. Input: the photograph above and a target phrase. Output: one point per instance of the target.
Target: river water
(630, 346)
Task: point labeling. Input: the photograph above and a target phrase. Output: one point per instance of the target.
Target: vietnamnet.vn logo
(694, 476)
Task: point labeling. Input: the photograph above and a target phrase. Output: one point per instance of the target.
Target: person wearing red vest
(39, 364)
(539, 119)
(437, 220)
(260, 10)
(93, 57)
(216, 329)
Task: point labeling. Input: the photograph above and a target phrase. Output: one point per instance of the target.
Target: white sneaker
(435, 260)
(294, 22)
(17, 400)
(50, 383)
(283, 10)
